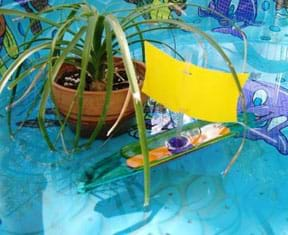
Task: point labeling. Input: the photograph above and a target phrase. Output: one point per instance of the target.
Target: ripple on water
(201, 191)
(275, 28)
(265, 38)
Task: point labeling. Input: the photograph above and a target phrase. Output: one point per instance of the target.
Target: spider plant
(89, 39)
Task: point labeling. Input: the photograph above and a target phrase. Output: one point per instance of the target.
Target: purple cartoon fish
(246, 12)
(269, 105)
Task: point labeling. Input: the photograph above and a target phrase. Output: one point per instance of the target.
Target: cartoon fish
(163, 13)
(269, 105)
(221, 7)
(32, 6)
(39, 5)
(246, 12)
(7, 40)
(181, 4)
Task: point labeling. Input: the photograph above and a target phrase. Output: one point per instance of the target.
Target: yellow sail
(200, 93)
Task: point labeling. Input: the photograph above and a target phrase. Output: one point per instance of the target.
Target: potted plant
(87, 82)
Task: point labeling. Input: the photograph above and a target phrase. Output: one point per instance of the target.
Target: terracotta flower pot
(93, 101)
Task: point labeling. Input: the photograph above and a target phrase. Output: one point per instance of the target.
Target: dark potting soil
(120, 80)
(72, 79)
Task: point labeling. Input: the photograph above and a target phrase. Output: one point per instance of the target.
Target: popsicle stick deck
(129, 160)
(209, 133)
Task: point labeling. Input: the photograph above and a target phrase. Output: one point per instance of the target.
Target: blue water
(38, 192)
(189, 196)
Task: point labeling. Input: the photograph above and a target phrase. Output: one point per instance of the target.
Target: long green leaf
(160, 43)
(109, 84)
(97, 48)
(61, 33)
(97, 40)
(92, 20)
(41, 115)
(25, 73)
(129, 67)
(52, 73)
(9, 111)
(18, 62)
(24, 14)
(57, 65)
(60, 60)
(31, 107)
(61, 7)
(29, 88)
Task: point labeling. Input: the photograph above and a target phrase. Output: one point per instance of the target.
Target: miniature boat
(129, 160)
(164, 153)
